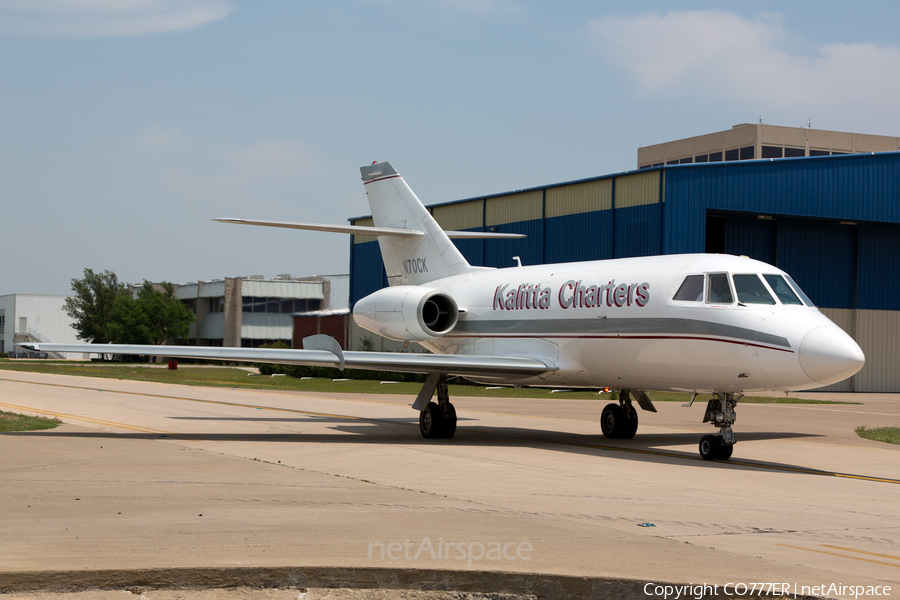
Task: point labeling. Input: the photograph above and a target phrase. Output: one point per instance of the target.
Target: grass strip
(234, 377)
(16, 422)
(890, 435)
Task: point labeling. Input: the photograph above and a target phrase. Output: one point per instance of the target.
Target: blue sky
(127, 125)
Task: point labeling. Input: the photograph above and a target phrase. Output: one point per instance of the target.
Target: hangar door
(819, 255)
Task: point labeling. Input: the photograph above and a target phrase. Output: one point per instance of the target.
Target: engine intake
(407, 313)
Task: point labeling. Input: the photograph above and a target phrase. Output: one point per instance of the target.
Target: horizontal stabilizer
(357, 229)
(367, 230)
(450, 364)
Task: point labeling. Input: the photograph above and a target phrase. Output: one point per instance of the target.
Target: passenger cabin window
(782, 290)
(719, 292)
(691, 289)
(751, 290)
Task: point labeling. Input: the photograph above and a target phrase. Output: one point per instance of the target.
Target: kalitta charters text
(572, 294)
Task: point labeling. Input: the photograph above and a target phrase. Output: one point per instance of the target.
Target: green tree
(92, 305)
(152, 317)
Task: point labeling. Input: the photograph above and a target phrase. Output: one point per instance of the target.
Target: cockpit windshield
(719, 292)
(751, 290)
(800, 293)
(782, 289)
(748, 287)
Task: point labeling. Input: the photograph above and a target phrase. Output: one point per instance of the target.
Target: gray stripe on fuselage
(643, 326)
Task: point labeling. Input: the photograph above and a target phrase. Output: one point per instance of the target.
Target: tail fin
(409, 261)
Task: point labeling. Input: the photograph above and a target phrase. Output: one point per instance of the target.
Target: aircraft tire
(430, 421)
(725, 450)
(629, 422)
(448, 427)
(611, 420)
(709, 447)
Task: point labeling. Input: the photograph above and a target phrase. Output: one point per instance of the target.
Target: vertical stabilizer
(409, 261)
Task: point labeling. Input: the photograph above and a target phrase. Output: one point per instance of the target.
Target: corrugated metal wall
(877, 332)
(878, 335)
(463, 216)
(522, 212)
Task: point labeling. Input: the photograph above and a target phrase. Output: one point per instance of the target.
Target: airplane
(698, 323)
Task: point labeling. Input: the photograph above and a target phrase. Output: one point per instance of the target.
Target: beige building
(754, 141)
(252, 311)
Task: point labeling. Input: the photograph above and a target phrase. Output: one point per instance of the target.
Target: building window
(217, 305)
(283, 306)
(190, 304)
(794, 152)
(819, 152)
(701, 158)
(687, 160)
(747, 153)
(715, 157)
(771, 152)
(672, 162)
(2, 325)
(731, 154)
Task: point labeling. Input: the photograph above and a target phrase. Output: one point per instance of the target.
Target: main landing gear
(620, 421)
(720, 412)
(436, 420)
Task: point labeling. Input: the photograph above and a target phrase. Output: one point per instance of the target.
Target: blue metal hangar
(832, 222)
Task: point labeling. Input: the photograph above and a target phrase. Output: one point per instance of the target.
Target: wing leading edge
(449, 364)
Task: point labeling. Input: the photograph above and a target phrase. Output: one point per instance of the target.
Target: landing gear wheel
(611, 420)
(431, 421)
(725, 450)
(448, 425)
(629, 422)
(710, 447)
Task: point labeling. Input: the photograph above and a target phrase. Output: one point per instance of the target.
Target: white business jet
(696, 323)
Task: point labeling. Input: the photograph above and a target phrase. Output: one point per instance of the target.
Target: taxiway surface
(157, 476)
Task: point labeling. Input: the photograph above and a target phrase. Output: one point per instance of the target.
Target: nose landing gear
(720, 412)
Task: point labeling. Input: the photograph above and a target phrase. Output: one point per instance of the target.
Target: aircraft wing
(319, 356)
(369, 230)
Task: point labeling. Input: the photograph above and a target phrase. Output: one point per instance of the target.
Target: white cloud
(107, 18)
(483, 7)
(715, 54)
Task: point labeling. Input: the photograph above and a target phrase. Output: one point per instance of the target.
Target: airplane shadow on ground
(650, 447)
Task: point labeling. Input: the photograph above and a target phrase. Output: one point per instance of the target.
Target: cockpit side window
(719, 292)
(782, 289)
(691, 289)
(797, 289)
(751, 290)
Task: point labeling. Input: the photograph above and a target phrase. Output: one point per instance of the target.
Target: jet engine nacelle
(407, 313)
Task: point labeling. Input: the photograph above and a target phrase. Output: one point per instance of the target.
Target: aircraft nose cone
(829, 355)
